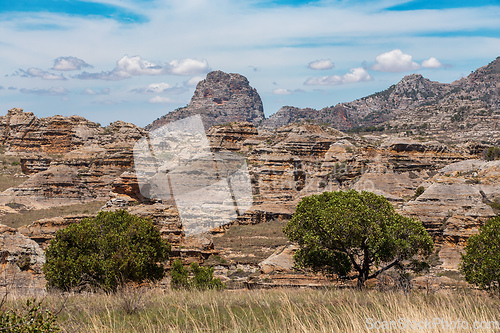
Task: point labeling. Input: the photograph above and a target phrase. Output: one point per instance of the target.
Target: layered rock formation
(221, 98)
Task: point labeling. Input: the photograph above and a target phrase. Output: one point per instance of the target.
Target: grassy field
(26, 217)
(250, 244)
(278, 310)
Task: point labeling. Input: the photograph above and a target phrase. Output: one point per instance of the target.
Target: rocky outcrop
(221, 98)
(21, 261)
(337, 116)
(456, 202)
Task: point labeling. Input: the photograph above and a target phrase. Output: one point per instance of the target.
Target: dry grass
(27, 217)
(8, 181)
(280, 310)
(250, 244)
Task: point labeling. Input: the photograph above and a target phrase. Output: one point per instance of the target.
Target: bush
(418, 192)
(105, 252)
(203, 277)
(481, 260)
(344, 232)
(491, 154)
(29, 319)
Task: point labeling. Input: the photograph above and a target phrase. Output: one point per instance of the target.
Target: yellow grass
(279, 310)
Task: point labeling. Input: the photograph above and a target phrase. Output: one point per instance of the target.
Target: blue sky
(136, 60)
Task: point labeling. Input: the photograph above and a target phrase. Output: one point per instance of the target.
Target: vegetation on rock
(104, 252)
(341, 232)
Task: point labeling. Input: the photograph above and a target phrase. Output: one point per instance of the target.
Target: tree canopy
(344, 232)
(112, 248)
(481, 260)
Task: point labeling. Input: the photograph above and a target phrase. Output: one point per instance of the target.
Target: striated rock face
(456, 202)
(21, 261)
(221, 98)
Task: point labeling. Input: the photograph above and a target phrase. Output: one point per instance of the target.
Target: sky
(136, 60)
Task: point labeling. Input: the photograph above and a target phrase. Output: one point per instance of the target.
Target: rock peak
(220, 98)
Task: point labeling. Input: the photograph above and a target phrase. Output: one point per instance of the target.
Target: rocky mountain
(220, 98)
(466, 108)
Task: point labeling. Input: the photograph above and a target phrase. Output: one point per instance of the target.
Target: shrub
(418, 192)
(491, 154)
(341, 232)
(202, 279)
(31, 318)
(104, 252)
(481, 260)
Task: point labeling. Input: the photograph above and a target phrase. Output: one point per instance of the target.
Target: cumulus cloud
(321, 64)
(358, 74)
(127, 67)
(159, 88)
(91, 92)
(188, 66)
(37, 72)
(54, 91)
(160, 100)
(192, 82)
(394, 61)
(281, 91)
(69, 64)
(431, 63)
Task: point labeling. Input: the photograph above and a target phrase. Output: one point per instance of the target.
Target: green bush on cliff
(104, 252)
(340, 233)
(481, 260)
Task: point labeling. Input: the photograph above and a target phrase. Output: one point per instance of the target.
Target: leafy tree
(104, 252)
(203, 277)
(341, 232)
(481, 260)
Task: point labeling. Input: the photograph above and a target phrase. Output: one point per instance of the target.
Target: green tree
(481, 260)
(341, 232)
(104, 252)
(202, 279)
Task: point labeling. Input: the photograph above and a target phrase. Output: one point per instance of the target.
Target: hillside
(465, 109)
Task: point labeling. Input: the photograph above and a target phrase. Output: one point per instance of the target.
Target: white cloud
(54, 91)
(91, 92)
(160, 100)
(188, 66)
(37, 72)
(394, 61)
(431, 63)
(321, 64)
(192, 82)
(69, 64)
(281, 91)
(358, 74)
(127, 67)
(160, 88)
